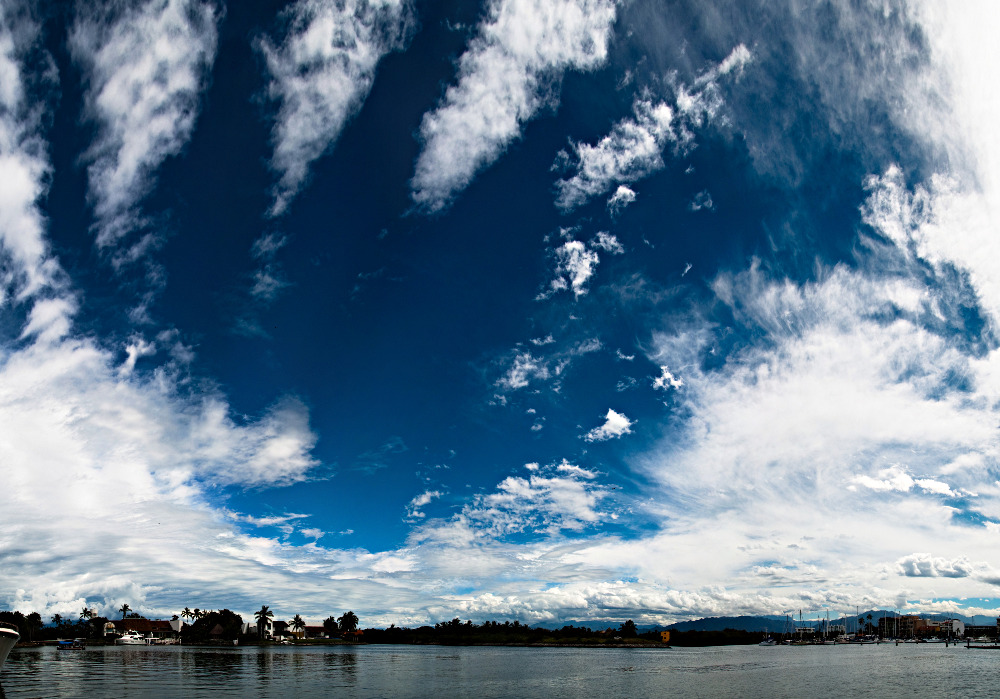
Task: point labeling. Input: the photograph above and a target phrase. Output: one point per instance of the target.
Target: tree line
(226, 625)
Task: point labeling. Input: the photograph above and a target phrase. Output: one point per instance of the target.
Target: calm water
(420, 671)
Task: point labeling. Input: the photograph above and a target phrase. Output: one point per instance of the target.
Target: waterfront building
(158, 629)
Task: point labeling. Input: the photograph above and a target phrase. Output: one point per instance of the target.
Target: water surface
(421, 671)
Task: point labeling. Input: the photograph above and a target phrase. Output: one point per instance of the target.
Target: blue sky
(549, 310)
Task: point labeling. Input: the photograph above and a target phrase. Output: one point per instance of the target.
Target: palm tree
(348, 622)
(196, 613)
(34, 623)
(263, 616)
(57, 619)
(297, 623)
(86, 614)
(186, 613)
(125, 609)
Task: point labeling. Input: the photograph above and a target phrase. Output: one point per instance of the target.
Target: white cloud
(130, 460)
(924, 565)
(575, 265)
(509, 72)
(268, 282)
(538, 503)
(145, 72)
(666, 380)
(890, 479)
(523, 369)
(630, 152)
(608, 242)
(634, 148)
(702, 200)
(23, 171)
(622, 197)
(425, 498)
(566, 467)
(49, 320)
(941, 223)
(133, 352)
(321, 74)
(615, 425)
(816, 422)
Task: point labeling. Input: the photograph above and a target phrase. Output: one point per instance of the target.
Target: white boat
(8, 639)
(131, 638)
(768, 642)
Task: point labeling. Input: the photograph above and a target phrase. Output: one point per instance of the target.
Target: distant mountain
(739, 623)
(777, 624)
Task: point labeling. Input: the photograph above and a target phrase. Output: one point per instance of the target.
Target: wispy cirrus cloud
(320, 73)
(24, 167)
(509, 72)
(521, 368)
(146, 66)
(634, 148)
(129, 457)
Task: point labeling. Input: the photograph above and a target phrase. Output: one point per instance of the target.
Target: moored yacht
(8, 638)
(131, 638)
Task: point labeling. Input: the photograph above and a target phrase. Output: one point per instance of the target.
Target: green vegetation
(32, 628)
(225, 626)
(455, 632)
(222, 625)
(348, 622)
(263, 616)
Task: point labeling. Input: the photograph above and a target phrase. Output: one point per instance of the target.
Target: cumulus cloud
(608, 242)
(666, 380)
(321, 73)
(924, 565)
(634, 148)
(890, 479)
(146, 66)
(575, 265)
(509, 72)
(615, 425)
(413, 510)
(622, 197)
(553, 499)
(130, 459)
(852, 383)
(630, 152)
